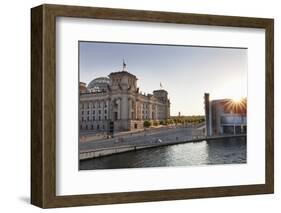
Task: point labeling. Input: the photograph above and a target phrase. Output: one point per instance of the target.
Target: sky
(185, 72)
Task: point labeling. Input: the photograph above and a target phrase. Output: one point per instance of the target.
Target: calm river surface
(189, 154)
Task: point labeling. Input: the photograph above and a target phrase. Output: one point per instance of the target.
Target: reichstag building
(117, 101)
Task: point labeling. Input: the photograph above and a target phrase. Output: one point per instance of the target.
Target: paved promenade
(141, 138)
(137, 140)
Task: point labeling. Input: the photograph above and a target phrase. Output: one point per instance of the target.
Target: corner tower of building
(123, 80)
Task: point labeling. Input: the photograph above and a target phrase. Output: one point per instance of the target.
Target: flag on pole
(124, 64)
(161, 85)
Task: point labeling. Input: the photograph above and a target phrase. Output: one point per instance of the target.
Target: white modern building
(116, 100)
(225, 116)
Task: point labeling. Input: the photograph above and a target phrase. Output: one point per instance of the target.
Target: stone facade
(119, 101)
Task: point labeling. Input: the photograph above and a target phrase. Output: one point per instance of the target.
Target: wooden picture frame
(43, 105)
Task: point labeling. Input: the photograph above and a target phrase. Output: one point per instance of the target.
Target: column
(130, 108)
(119, 109)
(107, 109)
(149, 111)
(156, 112)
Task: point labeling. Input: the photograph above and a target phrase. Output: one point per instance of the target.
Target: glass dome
(98, 84)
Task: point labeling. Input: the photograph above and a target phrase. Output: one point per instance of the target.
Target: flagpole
(124, 64)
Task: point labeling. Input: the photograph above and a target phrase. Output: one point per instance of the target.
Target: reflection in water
(201, 153)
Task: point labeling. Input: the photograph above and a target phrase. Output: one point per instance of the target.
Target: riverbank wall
(89, 154)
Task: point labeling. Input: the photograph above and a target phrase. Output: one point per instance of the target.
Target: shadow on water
(226, 151)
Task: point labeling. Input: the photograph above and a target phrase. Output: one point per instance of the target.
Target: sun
(236, 104)
(236, 98)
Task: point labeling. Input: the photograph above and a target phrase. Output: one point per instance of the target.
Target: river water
(232, 151)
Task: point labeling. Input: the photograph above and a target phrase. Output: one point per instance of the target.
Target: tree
(155, 123)
(169, 121)
(146, 123)
(163, 122)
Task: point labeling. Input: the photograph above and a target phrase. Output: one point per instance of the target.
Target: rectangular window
(105, 111)
(105, 117)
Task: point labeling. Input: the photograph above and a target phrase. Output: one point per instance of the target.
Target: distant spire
(161, 86)
(124, 65)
